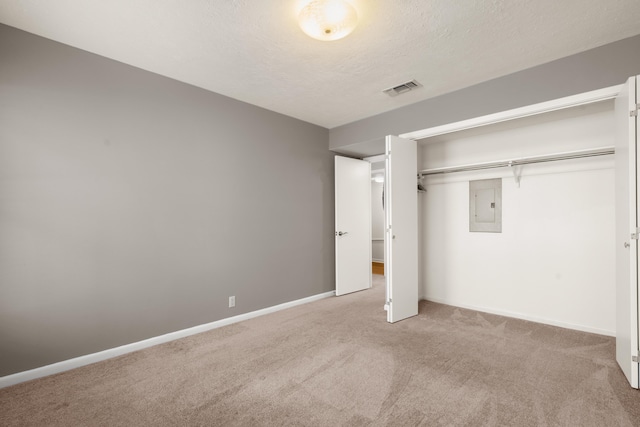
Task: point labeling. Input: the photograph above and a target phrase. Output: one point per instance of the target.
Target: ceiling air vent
(404, 87)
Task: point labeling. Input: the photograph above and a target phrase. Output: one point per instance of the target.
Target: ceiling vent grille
(404, 87)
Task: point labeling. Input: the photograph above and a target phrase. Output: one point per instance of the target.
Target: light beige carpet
(337, 362)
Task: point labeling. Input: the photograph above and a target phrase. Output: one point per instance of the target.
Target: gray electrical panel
(485, 205)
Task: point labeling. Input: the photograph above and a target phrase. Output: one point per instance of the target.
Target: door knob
(340, 233)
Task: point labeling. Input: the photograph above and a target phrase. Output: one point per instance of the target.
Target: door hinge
(634, 359)
(634, 236)
(634, 113)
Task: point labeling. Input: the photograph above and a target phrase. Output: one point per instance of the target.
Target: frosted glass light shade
(328, 19)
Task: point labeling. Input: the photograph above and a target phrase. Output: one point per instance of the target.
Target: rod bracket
(516, 169)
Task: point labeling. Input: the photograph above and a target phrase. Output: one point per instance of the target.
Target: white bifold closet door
(401, 228)
(626, 110)
(353, 225)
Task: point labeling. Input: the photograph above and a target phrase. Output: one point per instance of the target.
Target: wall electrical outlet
(232, 301)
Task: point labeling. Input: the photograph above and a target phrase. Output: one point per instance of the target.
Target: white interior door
(627, 232)
(353, 225)
(401, 228)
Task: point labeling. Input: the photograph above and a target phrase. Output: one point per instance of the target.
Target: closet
(567, 251)
(553, 258)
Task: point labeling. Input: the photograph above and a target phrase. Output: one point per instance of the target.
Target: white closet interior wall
(554, 261)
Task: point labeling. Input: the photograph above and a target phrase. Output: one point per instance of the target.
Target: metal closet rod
(603, 151)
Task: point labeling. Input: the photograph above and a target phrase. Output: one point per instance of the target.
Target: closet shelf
(602, 151)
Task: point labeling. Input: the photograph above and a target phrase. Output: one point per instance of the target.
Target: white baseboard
(521, 316)
(77, 362)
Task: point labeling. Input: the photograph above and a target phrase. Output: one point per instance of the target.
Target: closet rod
(603, 151)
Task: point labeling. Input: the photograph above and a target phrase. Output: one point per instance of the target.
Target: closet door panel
(401, 228)
(627, 232)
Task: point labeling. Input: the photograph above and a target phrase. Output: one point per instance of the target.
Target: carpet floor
(337, 362)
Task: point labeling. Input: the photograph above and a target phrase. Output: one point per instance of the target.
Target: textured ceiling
(254, 51)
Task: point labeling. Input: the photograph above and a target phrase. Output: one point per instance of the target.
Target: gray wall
(601, 67)
(132, 205)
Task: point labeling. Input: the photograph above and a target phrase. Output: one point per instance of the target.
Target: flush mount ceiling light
(328, 19)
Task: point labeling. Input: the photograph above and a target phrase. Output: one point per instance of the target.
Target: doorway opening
(377, 218)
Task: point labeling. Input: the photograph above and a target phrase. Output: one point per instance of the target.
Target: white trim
(379, 261)
(77, 362)
(517, 113)
(521, 316)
